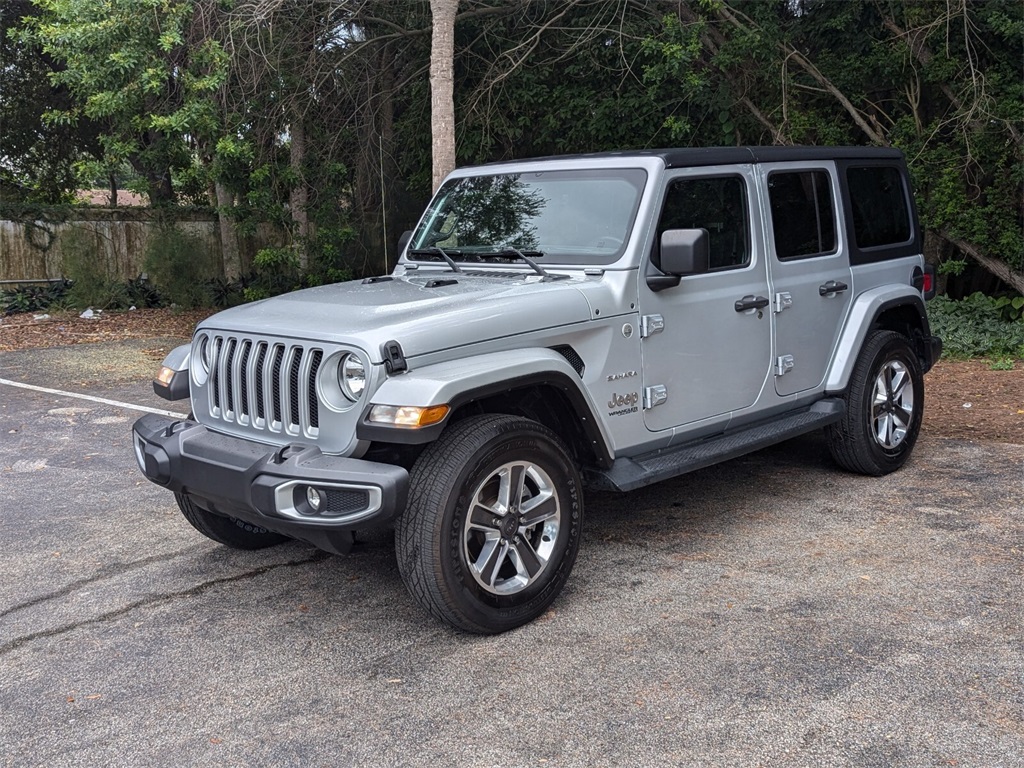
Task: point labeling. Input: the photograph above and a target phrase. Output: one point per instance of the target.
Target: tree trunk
(442, 84)
(228, 236)
(998, 268)
(299, 196)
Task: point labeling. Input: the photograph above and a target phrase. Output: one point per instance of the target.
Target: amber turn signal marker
(412, 416)
(165, 375)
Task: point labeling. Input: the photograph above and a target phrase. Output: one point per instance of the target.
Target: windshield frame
(579, 254)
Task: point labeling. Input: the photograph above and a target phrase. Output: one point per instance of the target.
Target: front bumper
(266, 486)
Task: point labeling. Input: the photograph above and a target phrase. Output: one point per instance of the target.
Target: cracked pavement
(770, 611)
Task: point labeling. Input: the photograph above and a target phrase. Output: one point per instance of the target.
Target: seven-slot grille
(265, 385)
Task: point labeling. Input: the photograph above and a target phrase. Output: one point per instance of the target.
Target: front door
(713, 352)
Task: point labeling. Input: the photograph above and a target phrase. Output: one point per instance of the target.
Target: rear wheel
(492, 527)
(884, 405)
(228, 531)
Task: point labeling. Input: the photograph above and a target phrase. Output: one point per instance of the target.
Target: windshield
(568, 217)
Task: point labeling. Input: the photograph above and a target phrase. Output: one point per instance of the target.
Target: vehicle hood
(425, 313)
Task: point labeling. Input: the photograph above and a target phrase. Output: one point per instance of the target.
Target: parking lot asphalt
(770, 611)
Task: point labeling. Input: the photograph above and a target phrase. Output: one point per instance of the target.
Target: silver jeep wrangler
(602, 321)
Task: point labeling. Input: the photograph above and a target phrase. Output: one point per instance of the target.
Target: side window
(879, 203)
(717, 204)
(803, 217)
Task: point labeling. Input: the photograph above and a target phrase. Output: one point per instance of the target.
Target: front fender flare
(177, 387)
(462, 381)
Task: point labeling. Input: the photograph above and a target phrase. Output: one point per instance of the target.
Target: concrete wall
(119, 236)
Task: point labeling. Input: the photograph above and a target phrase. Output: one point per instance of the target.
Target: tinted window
(717, 204)
(803, 218)
(879, 203)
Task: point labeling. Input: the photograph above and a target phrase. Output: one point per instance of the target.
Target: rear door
(812, 284)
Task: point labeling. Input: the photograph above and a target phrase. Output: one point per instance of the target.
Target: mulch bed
(37, 330)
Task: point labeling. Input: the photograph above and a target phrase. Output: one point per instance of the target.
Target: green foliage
(952, 267)
(142, 294)
(170, 96)
(90, 284)
(276, 271)
(133, 69)
(32, 298)
(180, 266)
(976, 326)
(1011, 307)
(38, 158)
(59, 296)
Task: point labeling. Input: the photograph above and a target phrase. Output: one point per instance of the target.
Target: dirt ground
(965, 399)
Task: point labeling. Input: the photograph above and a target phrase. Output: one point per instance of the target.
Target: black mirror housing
(684, 252)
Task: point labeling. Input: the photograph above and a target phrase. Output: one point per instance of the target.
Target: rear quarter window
(879, 209)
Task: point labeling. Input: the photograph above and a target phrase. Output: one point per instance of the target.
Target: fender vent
(572, 357)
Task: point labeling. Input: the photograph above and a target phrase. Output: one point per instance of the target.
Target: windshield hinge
(394, 358)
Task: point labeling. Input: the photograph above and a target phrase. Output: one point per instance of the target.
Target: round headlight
(205, 353)
(352, 373)
(201, 359)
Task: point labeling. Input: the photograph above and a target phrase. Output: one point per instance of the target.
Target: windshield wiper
(507, 251)
(438, 251)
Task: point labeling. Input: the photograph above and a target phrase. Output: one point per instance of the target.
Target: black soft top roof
(687, 157)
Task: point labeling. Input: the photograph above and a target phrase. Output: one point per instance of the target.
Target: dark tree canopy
(316, 115)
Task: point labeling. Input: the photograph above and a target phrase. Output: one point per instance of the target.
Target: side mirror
(683, 252)
(403, 241)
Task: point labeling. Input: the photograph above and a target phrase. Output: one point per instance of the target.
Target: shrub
(90, 284)
(180, 266)
(33, 298)
(275, 271)
(976, 326)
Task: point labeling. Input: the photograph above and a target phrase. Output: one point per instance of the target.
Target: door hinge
(650, 325)
(783, 300)
(783, 365)
(655, 396)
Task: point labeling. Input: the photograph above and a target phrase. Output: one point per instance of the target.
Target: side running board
(627, 474)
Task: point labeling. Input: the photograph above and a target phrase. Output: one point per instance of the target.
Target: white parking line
(105, 401)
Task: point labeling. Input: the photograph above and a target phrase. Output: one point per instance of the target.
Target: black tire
(228, 531)
(443, 550)
(884, 405)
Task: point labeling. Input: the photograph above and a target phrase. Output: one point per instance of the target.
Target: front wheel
(884, 405)
(492, 527)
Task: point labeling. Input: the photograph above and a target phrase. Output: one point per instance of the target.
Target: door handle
(751, 302)
(832, 286)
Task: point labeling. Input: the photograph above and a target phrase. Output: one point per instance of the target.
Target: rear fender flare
(866, 309)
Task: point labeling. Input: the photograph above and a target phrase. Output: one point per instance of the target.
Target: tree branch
(998, 268)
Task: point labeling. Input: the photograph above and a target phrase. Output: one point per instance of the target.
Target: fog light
(314, 498)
